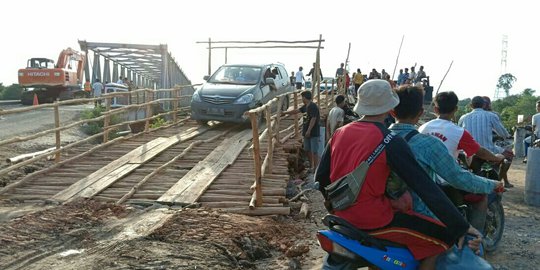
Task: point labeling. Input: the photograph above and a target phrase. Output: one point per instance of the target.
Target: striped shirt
(481, 124)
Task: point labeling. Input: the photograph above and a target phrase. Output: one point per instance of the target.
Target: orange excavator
(49, 81)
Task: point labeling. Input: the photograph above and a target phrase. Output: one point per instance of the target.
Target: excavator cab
(40, 63)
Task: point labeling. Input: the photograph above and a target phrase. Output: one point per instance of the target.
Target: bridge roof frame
(154, 62)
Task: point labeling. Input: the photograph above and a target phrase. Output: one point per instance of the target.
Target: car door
(285, 84)
(267, 93)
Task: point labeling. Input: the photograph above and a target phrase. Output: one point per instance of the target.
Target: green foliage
(12, 92)
(514, 105)
(508, 108)
(158, 122)
(463, 107)
(505, 82)
(96, 127)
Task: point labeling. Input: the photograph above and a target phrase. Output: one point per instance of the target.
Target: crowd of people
(423, 160)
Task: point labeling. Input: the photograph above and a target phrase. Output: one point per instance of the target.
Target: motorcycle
(357, 247)
(494, 226)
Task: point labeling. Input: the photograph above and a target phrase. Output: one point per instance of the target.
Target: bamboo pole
(107, 120)
(278, 115)
(57, 133)
(440, 84)
(257, 160)
(209, 56)
(397, 58)
(11, 168)
(296, 131)
(149, 98)
(270, 137)
(22, 157)
(327, 94)
(175, 105)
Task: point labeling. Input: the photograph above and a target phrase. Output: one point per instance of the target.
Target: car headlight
(196, 97)
(245, 99)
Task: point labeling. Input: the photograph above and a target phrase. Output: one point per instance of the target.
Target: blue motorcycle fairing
(394, 258)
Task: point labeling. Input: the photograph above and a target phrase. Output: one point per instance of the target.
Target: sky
(469, 33)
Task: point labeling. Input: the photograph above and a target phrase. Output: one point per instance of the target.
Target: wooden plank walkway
(182, 165)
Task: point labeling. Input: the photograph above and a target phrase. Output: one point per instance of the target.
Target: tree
(514, 105)
(11, 92)
(505, 82)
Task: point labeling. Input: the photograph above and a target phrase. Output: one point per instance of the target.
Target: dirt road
(28, 122)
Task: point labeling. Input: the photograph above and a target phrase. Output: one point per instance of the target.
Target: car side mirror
(269, 81)
(206, 77)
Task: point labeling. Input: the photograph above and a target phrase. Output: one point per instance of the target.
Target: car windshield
(237, 75)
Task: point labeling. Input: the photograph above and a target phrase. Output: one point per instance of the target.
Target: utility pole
(504, 50)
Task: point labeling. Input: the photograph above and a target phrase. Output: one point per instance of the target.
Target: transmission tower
(500, 92)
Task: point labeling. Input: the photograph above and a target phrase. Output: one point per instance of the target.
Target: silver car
(236, 88)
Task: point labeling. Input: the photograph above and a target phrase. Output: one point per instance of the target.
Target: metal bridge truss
(148, 66)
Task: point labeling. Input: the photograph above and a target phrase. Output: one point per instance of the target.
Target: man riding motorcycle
(431, 153)
(458, 139)
(368, 141)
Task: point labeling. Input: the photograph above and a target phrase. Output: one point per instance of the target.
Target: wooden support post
(175, 104)
(270, 138)
(57, 133)
(326, 97)
(256, 158)
(107, 120)
(209, 56)
(149, 98)
(278, 115)
(296, 133)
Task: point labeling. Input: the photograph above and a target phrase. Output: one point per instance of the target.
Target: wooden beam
(101, 179)
(190, 187)
(260, 211)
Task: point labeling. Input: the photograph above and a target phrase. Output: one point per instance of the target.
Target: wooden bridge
(232, 167)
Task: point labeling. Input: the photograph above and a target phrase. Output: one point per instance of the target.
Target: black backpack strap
(410, 135)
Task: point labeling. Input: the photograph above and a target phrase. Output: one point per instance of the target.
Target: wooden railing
(272, 136)
(149, 100)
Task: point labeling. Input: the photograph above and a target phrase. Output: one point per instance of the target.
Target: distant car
(326, 84)
(236, 88)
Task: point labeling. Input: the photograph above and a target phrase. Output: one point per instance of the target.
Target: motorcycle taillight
(334, 248)
(325, 243)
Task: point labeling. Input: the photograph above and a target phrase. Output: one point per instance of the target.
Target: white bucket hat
(375, 97)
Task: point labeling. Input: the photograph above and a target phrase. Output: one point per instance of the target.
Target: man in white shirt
(300, 78)
(120, 81)
(335, 117)
(456, 138)
(536, 130)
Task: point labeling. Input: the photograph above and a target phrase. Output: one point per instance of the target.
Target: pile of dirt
(234, 241)
(39, 234)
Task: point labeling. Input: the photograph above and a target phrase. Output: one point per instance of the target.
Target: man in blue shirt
(432, 154)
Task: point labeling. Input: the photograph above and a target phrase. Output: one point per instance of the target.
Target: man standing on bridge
(310, 129)
(97, 89)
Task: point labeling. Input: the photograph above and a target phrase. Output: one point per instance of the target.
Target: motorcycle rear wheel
(494, 228)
